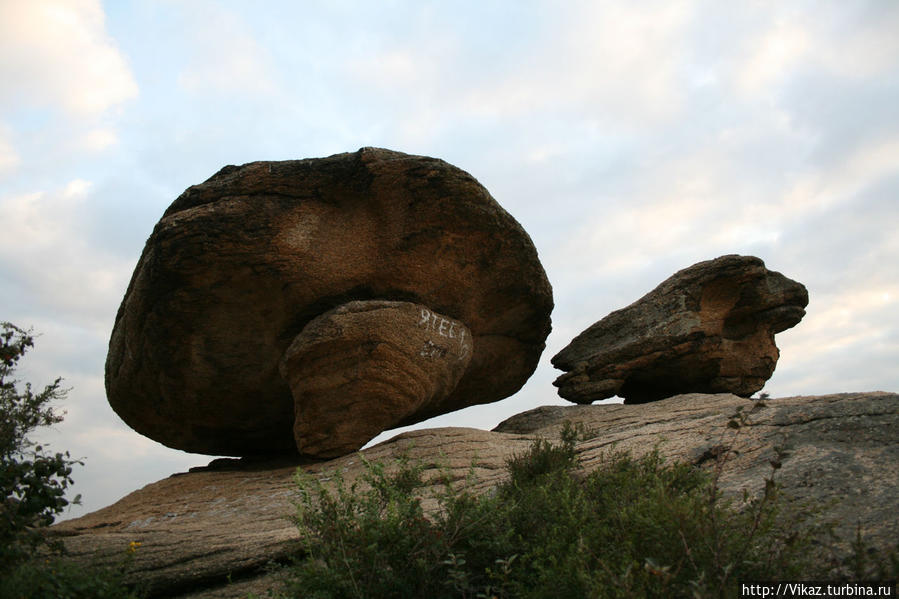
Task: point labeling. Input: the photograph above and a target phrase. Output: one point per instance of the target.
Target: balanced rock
(707, 329)
(230, 295)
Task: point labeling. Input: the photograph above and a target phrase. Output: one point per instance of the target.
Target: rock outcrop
(239, 265)
(707, 329)
(201, 529)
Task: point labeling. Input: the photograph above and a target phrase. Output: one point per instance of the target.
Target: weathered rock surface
(364, 366)
(240, 264)
(199, 528)
(707, 329)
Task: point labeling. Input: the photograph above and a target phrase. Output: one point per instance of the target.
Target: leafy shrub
(32, 492)
(58, 579)
(544, 458)
(633, 527)
(350, 529)
(32, 481)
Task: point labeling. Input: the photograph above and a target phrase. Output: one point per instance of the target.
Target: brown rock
(201, 529)
(240, 264)
(365, 366)
(707, 329)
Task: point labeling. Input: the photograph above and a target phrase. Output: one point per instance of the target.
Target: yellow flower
(132, 546)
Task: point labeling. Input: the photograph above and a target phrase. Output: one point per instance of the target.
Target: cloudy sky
(630, 139)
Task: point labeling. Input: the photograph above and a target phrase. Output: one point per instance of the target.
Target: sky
(630, 139)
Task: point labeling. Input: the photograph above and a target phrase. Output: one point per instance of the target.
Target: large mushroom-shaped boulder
(310, 304)
(707, 329)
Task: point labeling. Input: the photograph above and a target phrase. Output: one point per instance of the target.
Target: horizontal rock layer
(364, 367)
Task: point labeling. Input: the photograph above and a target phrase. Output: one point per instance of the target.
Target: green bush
(633, 527)
(55, 578)
(32, 481)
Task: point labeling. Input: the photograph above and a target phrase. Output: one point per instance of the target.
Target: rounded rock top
(240, 264)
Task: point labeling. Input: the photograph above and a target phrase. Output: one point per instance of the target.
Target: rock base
(200, 529)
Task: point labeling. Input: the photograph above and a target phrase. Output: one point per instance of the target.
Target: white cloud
(226, 56)
(99, 139)
(836, 37)
(25, 222)
(623, 58)
(722, 196)
(44, 244)
(9, 158)
(772, 56)
(76, 189)
(818, 189)
(859, 48)
(840, 341)
(613, 62)
(57, 53)
(626, 240)
(38, 219)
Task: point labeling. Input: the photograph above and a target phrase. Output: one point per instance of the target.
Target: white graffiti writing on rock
(444, 327)
(431, 350)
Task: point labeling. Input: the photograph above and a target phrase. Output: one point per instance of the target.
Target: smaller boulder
(707, 329)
